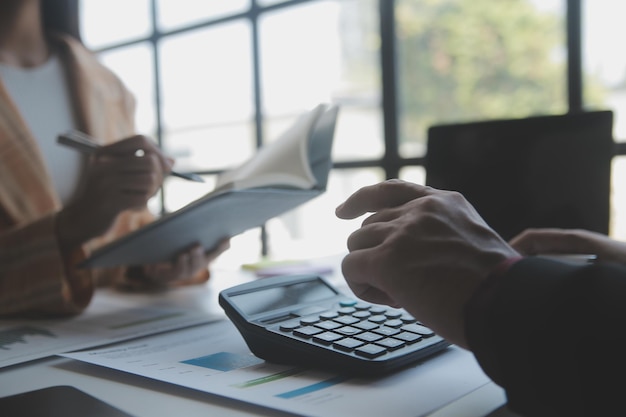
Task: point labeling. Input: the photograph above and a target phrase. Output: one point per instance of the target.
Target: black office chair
(544, 171)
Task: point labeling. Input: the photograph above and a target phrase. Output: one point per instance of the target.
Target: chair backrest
(544, 171)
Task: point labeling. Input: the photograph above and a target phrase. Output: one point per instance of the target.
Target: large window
(604, 86)
(216, 79)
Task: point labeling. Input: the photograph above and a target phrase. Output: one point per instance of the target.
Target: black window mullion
(258, 109)
(154, 40)
(574, 56)
(391, 159)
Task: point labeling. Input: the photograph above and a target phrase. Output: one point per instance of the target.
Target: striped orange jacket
(35, 278)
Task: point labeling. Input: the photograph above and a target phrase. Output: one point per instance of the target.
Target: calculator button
(366, 325)
(328, 325)
(393, 323)
(347, 344)
(386, 331)
(307, 321)
(391, 343)
(393, 314)
(361, 314)
(307, 332)
(408, 337)
(346, 310)
(348, 330)
(329, 315)
(370, 351)
(362, 306)
(407, 318)
(327, 338)
(378, 310)
(368, 337)
(289, 326)
(378, 319)
(347, 303)
(419, 329)
(347, 320)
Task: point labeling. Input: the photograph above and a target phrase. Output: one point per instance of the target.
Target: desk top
(141, 396)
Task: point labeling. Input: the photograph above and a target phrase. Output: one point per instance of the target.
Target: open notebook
(279, 177)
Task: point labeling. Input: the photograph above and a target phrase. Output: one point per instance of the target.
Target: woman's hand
(189, 267)
(575, 241)
(121, 176)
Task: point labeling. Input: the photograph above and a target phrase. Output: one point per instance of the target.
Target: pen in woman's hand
(84, 143)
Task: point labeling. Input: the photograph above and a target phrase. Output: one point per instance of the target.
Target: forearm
(36, 276)
(551, 335)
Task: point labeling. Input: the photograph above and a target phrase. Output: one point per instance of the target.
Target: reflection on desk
(57, 401)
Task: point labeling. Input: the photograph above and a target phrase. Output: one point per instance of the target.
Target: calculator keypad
(369, 331)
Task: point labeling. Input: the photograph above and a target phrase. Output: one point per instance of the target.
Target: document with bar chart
(214, 358)
(112, 317)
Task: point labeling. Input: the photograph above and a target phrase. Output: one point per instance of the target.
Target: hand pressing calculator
(303, 320)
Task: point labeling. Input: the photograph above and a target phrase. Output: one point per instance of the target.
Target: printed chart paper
(111, 317)
(214, 358)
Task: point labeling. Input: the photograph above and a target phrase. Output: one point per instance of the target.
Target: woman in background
(57, 206)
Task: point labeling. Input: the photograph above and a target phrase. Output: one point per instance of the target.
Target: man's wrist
(477, 332)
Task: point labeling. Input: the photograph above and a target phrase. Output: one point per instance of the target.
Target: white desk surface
(141, 396)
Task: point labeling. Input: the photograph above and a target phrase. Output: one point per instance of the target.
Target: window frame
(391, 161)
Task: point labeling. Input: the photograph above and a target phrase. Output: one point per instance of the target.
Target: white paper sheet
(214, 358)
(111, 317)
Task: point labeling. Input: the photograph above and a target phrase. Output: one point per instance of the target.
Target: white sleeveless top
(42, 96)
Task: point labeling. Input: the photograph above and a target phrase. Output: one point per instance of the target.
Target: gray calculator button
(307, 332)
(407, 318)
(394, 323)
(327, 338)
(347, 320)
(361, 314)
(328, 325)
(347, 344)
(419, 329)
(362, 306)
(289, 326)
(386, 331)
(366, 325)
(346, 310)
(393, 314)
(348, 330)
(307, 321)
(329, 315)
(378, 310)
(378, 319)
(408, 337)
(370, 351)
(391, 343)
(368, 337)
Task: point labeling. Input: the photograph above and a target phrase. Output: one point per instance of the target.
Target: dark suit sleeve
(553, 335)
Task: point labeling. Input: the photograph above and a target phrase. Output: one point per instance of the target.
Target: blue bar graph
(224, 361)
(312, 388)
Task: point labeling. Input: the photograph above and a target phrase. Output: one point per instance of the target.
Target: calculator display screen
(269, 299)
